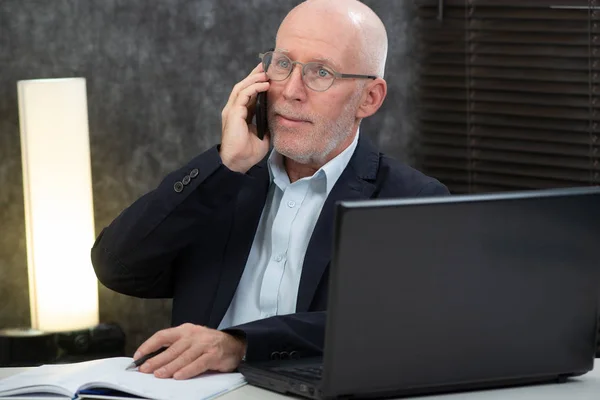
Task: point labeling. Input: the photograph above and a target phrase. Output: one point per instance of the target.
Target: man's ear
(373, 98)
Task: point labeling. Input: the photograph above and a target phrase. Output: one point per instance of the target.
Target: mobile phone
(261, 115)
(261, 108)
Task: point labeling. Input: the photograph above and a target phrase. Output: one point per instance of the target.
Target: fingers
(249, 81)
(243, 86)
(195, 368)
(256, 72)
(167, 356)
(248, 98)
(187, 358)
(165, 337)
(245, 96)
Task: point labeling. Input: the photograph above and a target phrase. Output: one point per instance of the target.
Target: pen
(143, 359)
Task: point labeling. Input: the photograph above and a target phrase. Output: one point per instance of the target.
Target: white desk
(586, 387)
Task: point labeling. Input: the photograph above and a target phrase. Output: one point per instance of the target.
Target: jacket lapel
(249, 207)
(355, 183)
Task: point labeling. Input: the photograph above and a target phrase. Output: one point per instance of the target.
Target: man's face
(306, 125)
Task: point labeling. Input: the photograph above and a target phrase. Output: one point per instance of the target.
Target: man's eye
(283, 64)
(323, 73)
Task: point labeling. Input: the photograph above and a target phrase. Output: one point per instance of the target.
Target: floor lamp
(59, 219)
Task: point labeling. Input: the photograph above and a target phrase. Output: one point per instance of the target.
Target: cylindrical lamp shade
(59, 215)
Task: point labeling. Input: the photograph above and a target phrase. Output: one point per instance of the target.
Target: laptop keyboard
(310, 372)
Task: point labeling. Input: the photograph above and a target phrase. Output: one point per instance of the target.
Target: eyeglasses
(316, 75)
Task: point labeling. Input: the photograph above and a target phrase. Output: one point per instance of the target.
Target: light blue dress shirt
(270, 281)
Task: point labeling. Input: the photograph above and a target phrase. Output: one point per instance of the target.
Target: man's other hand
(192, 350)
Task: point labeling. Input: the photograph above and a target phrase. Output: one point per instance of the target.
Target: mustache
(289, 112)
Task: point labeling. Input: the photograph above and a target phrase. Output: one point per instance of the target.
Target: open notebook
(108, 379)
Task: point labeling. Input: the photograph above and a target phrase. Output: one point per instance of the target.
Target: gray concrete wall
(158, 74)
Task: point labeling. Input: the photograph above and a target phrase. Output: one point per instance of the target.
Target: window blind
(508, 93)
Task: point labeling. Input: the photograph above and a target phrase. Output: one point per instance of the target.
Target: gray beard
(337, 131)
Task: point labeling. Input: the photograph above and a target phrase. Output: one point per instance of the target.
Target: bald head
(349, 25)
(312, 127)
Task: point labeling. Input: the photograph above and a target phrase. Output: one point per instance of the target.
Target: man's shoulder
(397, 178)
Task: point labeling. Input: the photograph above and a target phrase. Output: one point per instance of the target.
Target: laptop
(454, 293)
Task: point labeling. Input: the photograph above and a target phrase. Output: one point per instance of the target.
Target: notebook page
(56, 379)
(147, 385)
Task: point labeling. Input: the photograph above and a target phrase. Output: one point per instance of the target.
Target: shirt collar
(330, 172)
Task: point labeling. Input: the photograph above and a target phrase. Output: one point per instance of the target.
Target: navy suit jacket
(189, 240)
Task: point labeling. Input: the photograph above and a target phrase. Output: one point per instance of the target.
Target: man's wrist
(240, 337)
(231, 164)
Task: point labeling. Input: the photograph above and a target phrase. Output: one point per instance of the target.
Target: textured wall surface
(158, 74)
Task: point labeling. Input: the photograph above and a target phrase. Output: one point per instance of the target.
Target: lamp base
(21, 347)
(100, 341)
(25, 347)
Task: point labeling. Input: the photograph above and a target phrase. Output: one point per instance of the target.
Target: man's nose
(294, 85)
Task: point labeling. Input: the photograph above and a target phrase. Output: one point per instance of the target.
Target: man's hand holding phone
(241, 148)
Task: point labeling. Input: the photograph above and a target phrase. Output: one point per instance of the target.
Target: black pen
(143, 359)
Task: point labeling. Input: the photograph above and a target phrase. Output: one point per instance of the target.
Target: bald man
(241, 236)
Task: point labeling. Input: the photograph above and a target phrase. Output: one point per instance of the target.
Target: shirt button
(291, 204)
(279, 258)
